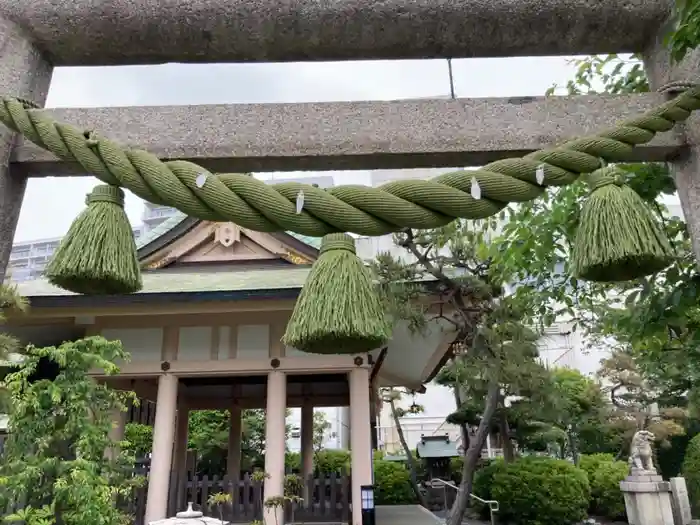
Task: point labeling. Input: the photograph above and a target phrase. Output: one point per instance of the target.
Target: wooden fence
(324, 498)
(328, 499)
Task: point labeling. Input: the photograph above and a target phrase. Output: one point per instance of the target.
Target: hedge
(604, 477)
(536, 491)
(392, 484)
(691, 472)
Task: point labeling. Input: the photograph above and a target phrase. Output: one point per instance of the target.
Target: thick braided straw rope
(359, 209)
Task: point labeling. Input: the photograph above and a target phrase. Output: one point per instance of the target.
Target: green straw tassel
(339, 310)
(619, 237)
(98, 255)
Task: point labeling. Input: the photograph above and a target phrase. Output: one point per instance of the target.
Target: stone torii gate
(37, 35)
(40, 34)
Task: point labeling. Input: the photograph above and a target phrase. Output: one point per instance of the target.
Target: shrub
(591, 462)
(540, 491)
(669, 459)
(607, 499)
(604, 476)
(292, 461)
(331, 461)
(392, 483)
(456, 465)
(691, 472)
(139, 438)
(483, 482)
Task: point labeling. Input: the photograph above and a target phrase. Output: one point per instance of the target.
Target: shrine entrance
(309, 496)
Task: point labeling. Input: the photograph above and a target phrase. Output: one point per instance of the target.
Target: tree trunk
(573, 445)
(507, 444)
(462, 426)
(409, 456)
(473, 454)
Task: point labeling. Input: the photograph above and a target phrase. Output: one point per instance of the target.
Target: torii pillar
(661, 72)
(24, 72)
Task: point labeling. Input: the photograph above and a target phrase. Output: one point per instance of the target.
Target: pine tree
(636, 403)
(446, 274)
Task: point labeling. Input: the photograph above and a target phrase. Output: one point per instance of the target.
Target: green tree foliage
(208, 435)
(649, 324)
(691, 472)
(321, 428)
(569, 411)
(669, 460)
(54, 457)
(524, 398)
(635, 401)
(686, 32)
(10, 302)
(451, 268)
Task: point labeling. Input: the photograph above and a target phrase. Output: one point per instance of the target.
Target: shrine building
(204, 333)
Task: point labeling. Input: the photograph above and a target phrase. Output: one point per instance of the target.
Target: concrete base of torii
(647, 498)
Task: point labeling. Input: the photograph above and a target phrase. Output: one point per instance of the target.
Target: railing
(492, 504)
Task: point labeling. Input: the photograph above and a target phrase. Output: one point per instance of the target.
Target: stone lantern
(190, 517)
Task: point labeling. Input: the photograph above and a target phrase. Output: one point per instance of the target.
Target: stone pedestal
(647, 499)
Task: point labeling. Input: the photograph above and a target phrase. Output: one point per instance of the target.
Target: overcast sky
(61, 199)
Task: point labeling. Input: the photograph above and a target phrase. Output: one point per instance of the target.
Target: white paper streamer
(300, 201)
(476, 189)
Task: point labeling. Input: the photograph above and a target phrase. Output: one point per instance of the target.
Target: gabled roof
(191, 281)
(437, 447)
(182, 239)
(164, 227)
(179, 218)
(203, 279)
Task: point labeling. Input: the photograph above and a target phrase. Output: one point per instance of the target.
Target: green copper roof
(314, 242)
(196, 281)
(163, 228)
(395, 457)
(171, 222)
(437, 447)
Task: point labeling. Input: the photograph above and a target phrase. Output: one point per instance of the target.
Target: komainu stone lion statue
(641, 452)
